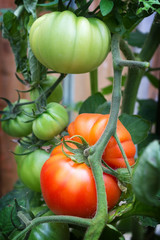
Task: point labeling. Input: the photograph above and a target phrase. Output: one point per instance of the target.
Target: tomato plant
(55, 96)
(91, 127)
(95, 178)
(69, 44)
(51, 122)
(17, 125)
(69, 188)
(57, 231)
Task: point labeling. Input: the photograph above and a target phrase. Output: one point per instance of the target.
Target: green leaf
(23, 196)
(15, 30)
(106, 6)
(150, 138)
(137, 127)
(146, 176)
(110, 232)
(91, 104)
(150, 5)
(148, 109)
(147, 221)
(104, 108)
(137, 38)
(30, 6)
(153, 80)
(107, 90)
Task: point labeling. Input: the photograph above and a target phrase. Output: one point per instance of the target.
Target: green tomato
(46, 231)
(50, 123)
(69, 44)
(55, 96)
(17, 126)
(29, 167)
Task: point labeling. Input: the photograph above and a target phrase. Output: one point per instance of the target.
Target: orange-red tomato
(69, 188)
(91, 126)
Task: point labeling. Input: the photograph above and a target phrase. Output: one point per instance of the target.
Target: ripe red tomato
(91, 126)
(69, 188)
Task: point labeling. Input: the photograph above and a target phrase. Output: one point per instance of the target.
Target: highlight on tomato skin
(69, 188)
(92, 125)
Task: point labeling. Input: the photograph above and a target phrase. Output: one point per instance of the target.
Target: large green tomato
(46, 231)
(29, 166)
(55, 96)
(17, 126)
(69, 44)
(51, 122)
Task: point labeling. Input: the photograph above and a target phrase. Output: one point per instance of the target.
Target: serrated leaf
(23, 195)
(14, 29)
(153, 5)
(91, 104)
(146, 176)
(148, 109)
(137, 127)
(106, 7)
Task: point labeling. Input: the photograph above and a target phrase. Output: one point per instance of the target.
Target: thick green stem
(135, 74)
(94, 81)
(95, 152)
(59, 219)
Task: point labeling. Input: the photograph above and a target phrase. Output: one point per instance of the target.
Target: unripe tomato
(18, 125)
(51, 122)
(69, 188)
(29, 166)
(91, 127)
(55, 96)
(69, 44)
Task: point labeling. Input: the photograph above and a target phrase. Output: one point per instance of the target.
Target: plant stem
(95, 152)
(123, 153)
(94, 81)
(134, 74)
(84, 222)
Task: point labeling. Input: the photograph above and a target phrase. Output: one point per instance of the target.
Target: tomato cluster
(72, 182)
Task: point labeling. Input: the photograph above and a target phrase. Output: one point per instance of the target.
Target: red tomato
(91, 126)
(69, 188)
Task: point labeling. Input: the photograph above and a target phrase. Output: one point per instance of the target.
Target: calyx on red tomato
(55, 96)
(51, 122)
(69, 188)
(69, 44)
(91, 127)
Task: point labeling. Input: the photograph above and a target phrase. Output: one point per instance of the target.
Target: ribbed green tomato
(51, 122)
(29, 166)
(55, 96)
(69, 44)
(17, 126)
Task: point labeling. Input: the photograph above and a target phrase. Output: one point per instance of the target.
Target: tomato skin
(47, 231)
(55, 96)
(69, 44)
(51, 122)
(18, 126)
(91, 127)
(69, 188)
(29, 167)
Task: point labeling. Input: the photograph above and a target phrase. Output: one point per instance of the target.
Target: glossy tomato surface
(91, 127)
(69, 188)
(69, 44)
